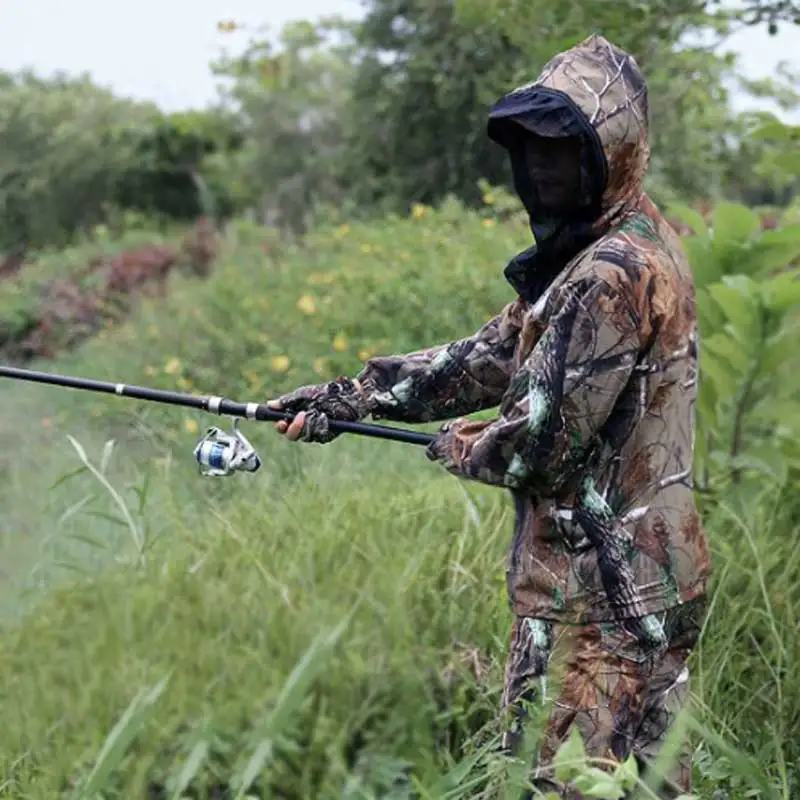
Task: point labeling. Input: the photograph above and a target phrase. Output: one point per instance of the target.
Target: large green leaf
(781, 411)
(713, 369)
(729, 351)
(694, 219)
(737, 297)
(780, 349)
(706, 267)
(775, 250)
(782, 292)
(733, 223)
(710, 317)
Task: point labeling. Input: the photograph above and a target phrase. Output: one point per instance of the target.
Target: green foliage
(417, 117)
(786, 160)
(374, 116)
(66, 294)
(748, 409)
(637, 26)
(290, 98)
(215, 652)
(63, 144)
(172, 163)
(73, 154)
(700, 148)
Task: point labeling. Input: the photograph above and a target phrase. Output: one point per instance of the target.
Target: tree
(695, 136)
(64, 143)
(416, 127)
(172, 164)
(290, 99)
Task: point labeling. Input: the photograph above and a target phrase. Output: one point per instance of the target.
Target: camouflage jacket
(595, 379)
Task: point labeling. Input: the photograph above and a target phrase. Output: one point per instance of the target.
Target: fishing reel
(220, 453)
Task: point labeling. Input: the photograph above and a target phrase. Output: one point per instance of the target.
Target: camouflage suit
(593, 367)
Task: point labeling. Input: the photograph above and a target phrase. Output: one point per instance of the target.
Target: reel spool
(220, 454)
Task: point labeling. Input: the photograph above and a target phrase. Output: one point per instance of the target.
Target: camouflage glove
(342, 399)
(441, 448)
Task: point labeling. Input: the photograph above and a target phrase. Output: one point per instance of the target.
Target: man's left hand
(441, 448)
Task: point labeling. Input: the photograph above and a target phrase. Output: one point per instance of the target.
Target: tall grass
(334, 625)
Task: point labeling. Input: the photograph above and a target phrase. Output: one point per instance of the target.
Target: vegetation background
(335, 625)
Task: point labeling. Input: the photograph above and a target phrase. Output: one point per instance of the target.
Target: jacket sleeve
(447, 381)
(560, 397)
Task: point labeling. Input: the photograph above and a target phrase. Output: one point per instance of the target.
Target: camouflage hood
(596, 92)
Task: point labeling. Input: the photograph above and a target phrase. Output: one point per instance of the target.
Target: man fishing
(593, 367)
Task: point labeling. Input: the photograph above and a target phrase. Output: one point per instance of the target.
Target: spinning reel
(220, 454)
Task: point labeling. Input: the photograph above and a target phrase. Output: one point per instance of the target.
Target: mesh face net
(549, 114)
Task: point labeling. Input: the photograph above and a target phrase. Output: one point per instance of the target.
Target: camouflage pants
(621, 694)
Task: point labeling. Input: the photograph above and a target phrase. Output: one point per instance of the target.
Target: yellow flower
(488, 223)
(321, 366)
(280, 363)
(253, 380)
(172, 367)
(418, 210)
(343, 230)
(489, 198)
(366, 248)
(190, 426)
(365, 353)
(316, 278)
(340, 343)
(306, 304)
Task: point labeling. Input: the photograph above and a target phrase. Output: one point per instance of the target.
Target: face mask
(553, 169)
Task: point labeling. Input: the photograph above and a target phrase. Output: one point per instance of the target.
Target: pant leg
(525, 674)
(667, 693)
(620, 685)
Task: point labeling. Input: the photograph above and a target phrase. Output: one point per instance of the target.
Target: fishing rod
(218, 453)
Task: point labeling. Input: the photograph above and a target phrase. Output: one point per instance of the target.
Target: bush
(74, 156)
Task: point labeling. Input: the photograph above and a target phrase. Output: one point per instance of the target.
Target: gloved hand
(441, 448)
(452, 447)
(313, 406)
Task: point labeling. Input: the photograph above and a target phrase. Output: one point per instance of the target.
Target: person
(593, 368)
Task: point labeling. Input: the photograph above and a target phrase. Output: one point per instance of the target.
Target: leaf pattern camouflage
(593, 369)
(595, 379)
(341, 399)
(622, 696)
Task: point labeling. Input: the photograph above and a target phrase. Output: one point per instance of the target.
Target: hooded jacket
(593, 367)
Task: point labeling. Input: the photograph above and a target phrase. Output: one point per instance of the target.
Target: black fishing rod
(220, 453)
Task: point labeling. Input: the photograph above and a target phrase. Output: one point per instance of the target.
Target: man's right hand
(291, 430)
(313, 407)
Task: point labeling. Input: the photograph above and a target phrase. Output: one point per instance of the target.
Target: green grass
(240, 577)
